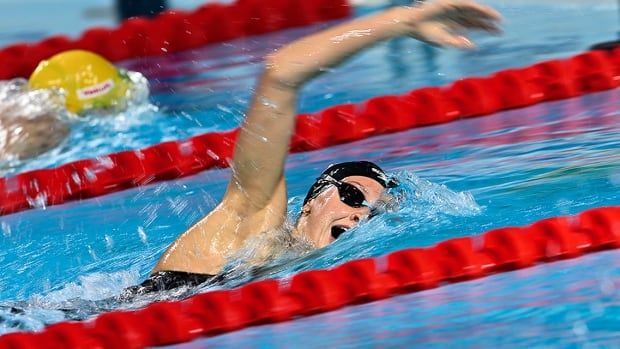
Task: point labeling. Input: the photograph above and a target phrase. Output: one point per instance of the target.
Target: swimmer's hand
(440, 22)
(444, 22)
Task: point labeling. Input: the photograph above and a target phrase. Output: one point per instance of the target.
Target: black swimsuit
(165, 281)
(160, 281)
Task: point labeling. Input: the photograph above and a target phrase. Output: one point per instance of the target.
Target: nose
(358, 215)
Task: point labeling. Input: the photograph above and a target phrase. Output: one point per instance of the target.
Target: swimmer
(255, 201)
(35, 115)
(31, 121)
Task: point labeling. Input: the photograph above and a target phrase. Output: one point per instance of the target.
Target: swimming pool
(515, 167)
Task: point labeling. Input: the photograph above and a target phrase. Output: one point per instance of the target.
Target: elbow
(278, 72)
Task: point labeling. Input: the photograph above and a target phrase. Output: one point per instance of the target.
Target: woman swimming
(255, 201)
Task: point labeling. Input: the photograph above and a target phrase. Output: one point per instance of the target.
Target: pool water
(459, 179)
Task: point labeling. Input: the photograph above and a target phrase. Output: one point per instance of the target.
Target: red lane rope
(318, 291)
(513, 88)
(175, 31)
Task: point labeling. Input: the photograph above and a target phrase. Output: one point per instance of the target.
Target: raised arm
(255, 200)
(263, 142)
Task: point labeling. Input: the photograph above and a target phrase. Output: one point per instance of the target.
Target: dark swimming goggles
(349, 194)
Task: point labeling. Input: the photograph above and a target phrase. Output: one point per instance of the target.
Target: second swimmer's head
(89, 80)
(340, 198)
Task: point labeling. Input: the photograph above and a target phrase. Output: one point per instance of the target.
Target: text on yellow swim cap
(89, 80)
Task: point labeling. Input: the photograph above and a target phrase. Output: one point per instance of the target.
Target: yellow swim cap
(89, 80)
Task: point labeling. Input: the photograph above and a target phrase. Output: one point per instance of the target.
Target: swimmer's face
(325, 217)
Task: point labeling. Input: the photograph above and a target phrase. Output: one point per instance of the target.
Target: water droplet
(580, 328)
(268, 103)
(614, 178)
(351, 34)
(178, 205)
(564, 205)
(6, 229)
(90, 175)
(224, 109)
(142, 235)
(109, 242)
(105, 161)
(212, 154)
(186, 148)
(76, 178)
(139, 154)
(39, 201)
(92, 253)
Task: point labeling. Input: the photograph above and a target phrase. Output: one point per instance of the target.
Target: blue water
(461, 178)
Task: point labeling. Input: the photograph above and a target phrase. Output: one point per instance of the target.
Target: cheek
(320, 216)
(331, 208)
(325, 202)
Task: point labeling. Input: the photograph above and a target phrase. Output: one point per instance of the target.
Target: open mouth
(337, 231)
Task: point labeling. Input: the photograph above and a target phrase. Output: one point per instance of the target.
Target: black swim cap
(346, 169)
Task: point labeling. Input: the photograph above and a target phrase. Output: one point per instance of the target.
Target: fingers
(442, 22)
(470, 23)
(459, 41)
(470, 15)
(444, 37)
(477, 10)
